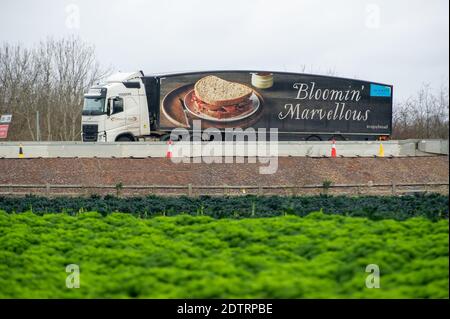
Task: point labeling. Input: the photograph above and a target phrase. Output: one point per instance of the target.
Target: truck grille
(90, 132)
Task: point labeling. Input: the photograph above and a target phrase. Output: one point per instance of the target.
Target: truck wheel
(337, 138)
(167, 137)
(125, 138)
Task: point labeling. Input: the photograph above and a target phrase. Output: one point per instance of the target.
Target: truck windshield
(94, 106)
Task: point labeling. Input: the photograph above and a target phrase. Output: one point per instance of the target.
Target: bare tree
(425, 115)
(51, 78)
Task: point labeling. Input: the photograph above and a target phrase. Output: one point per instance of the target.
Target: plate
(189, 105)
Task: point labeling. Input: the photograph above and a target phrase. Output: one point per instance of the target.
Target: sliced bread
(216, 91)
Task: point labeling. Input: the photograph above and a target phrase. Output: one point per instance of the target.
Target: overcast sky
(399, 42)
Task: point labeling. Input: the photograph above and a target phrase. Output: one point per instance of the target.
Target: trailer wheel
(313, 138)
(165, 138)
(337, 138)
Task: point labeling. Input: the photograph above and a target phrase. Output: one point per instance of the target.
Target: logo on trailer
(380, 90)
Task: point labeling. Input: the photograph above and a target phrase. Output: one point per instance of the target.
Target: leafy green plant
(432, 206)
(317, 256)
(119, 187)
(326, 184)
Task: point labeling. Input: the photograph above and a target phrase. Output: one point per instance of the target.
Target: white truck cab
(116, 110)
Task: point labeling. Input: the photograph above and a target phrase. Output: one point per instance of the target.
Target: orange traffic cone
(169, 149)
(333, 148)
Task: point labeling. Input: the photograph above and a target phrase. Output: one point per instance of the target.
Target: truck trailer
(134, 107)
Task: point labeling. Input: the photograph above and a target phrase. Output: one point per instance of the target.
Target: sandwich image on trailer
(133, 107)
(220, 99)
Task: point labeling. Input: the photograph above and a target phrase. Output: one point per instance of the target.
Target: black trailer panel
(292, 103)
(151, 85)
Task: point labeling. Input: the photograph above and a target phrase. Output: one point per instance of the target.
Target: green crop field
(432, 206)
(315, 256)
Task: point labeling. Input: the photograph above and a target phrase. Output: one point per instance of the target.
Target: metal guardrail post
(242, 189)
(260, 190)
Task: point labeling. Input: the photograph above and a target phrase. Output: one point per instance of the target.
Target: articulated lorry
(135, 107)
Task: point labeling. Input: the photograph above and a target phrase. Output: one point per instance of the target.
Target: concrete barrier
(158, 149)
(433, 146)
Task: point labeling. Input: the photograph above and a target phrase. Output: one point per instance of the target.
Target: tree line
(51, 77)
(425, 115)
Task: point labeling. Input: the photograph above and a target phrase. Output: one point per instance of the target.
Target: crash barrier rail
(392, 148)
(392, 188)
